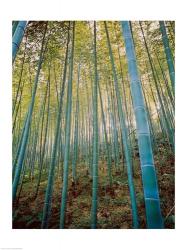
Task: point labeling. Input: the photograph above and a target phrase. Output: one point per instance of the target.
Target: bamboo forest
(93, 124)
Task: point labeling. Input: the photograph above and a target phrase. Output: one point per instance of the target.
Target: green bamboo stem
(168, 54)
(95, 140)
(49, 189)
(67, 136)
(27, 125)
(125, 138)
(151, 194)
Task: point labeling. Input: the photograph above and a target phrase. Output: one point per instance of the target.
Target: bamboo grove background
(93, 100)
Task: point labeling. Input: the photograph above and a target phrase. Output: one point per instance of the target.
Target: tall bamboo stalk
(95, 139)
(168, 54)
(28, 123)
(67, 136)
(49, 190)
(124, 138)
(17, 38)
(151, 194)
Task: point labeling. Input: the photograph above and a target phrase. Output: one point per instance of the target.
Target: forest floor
(114, 209)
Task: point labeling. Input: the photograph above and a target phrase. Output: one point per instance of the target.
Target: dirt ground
(114, 208)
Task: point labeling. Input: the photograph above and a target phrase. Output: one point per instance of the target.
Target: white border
(98, 10)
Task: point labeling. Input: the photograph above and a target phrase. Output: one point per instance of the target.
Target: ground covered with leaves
(114, 209)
